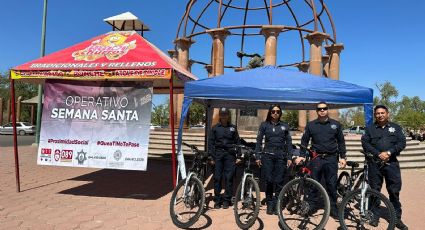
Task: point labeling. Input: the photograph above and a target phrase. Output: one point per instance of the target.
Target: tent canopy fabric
(117, 55)
(261, 87)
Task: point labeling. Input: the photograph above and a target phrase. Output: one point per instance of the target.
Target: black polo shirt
(379, 139)
(326, 137)
(222, 138)
(277, 138)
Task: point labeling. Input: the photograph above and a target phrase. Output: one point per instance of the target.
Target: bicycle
(303, 202)
(361, 208)
(189, 193)
(348, 182)
(247, 199)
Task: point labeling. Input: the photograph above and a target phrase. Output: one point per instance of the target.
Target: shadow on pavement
(152, 184)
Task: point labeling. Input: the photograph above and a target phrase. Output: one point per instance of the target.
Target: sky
(383, 39)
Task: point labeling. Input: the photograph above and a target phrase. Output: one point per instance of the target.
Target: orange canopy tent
(115, 56)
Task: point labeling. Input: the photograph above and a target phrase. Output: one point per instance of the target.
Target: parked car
(199, 126)
(357, 130)
(22, 128)
(152, 127)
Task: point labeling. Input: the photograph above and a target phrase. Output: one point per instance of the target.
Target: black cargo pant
(273, 169)
(326, 167)
(224, 169)
(392, 175)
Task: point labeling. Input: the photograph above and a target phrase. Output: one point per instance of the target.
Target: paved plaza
(81, 198)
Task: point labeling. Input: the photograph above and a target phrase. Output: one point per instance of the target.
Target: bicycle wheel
(247, 205)
(186, 210)
(378, 212)
(303, 204)
(343, 185)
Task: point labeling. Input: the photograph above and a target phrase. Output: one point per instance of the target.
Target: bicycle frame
(247, 172)
(198, 166)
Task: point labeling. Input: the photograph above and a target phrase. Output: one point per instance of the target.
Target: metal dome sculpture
(304, 24)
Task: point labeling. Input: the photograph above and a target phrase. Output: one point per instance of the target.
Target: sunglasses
(322, 109)
(275, 112)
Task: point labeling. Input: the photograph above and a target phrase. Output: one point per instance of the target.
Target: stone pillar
(18, 108)
(218, 35)
(1, 111)
(172, 54)
(334, 52)
(325, 63)
(208, 68)
(182, 57)
(302, 114)
(270, 32)
(315, 39)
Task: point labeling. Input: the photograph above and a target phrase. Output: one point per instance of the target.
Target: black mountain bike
(188, 198)
(348, 182)
(303, 202)
(362, 208)
(247, 200)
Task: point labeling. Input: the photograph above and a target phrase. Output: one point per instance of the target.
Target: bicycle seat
(352, 164)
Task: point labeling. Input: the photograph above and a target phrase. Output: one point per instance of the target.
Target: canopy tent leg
(208, 125)
(15, 138)
(368, 114)
(173, 144)
(180, 157)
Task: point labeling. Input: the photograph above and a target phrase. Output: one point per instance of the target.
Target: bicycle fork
(245, 175)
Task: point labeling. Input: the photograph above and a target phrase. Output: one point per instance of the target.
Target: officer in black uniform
(327, 140)
(386, 140)
(273, 157)
(221, 147)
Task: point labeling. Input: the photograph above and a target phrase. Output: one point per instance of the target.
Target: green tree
(196, 114)
(290, 117)
(411, 119)
(26, 90)
(387, 95)
(160, 114)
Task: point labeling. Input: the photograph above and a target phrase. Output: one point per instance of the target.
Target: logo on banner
(112, 47)
(117, 155)
(81, 157)
(63, 155)
(46, 154)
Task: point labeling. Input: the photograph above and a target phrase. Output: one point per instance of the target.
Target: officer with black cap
(328, 141)
(385, 140)
(221, 147)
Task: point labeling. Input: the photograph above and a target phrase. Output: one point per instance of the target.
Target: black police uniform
(278, 143)
(221, 148)
(328, 140)
(379, 139)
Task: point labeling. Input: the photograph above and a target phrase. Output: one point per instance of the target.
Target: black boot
(401, 225)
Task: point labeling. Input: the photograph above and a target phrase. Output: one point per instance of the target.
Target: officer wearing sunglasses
(327, 140)
(273, 158)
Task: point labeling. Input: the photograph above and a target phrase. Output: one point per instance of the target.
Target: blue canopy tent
(261, 87)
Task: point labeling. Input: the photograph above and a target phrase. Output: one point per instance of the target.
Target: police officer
(327, 140)
(385, 140)
(221, 147)
(274, 156)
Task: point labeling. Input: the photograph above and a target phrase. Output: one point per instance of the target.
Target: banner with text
(96, 124)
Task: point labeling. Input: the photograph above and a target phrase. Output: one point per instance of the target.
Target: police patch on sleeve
(333, 126)
(232, 129)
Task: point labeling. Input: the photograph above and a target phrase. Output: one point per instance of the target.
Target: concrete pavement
(80, 198)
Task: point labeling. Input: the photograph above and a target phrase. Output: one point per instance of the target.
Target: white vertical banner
(96, 124)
